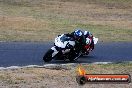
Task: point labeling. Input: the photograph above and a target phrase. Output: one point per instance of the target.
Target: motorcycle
(64, 49)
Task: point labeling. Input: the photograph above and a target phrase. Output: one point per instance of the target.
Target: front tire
(48, 56)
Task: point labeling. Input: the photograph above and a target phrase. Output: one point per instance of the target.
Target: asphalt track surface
(31, 53)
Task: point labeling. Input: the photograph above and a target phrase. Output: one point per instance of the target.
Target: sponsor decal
(83, 77)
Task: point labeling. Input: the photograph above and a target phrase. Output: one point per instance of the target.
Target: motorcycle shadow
(82, 59)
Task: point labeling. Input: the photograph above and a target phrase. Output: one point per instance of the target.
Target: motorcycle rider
(80, 40)
(89, 39)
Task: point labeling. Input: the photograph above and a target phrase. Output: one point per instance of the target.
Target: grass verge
(42, 20)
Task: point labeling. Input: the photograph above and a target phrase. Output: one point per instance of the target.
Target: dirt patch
(49, 78)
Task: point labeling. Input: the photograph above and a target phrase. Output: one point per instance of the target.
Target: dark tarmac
(31, 53)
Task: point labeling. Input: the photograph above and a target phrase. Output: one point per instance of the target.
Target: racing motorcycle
(64, 49)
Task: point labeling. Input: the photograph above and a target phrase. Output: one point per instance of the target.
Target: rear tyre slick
(72, 57)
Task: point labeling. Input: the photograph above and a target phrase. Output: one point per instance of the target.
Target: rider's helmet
(78, 34)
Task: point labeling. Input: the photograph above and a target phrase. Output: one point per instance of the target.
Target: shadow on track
(83, 59)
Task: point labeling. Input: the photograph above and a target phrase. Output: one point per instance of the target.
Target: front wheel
(48, 56)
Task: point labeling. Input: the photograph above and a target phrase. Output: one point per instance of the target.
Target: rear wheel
(48, 56)
(73, 56)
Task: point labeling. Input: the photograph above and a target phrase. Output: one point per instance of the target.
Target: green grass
(42, 20)
(108, 33)
(116, 1)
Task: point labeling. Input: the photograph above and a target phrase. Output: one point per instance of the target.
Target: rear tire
(72, 57)
(48, 56)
